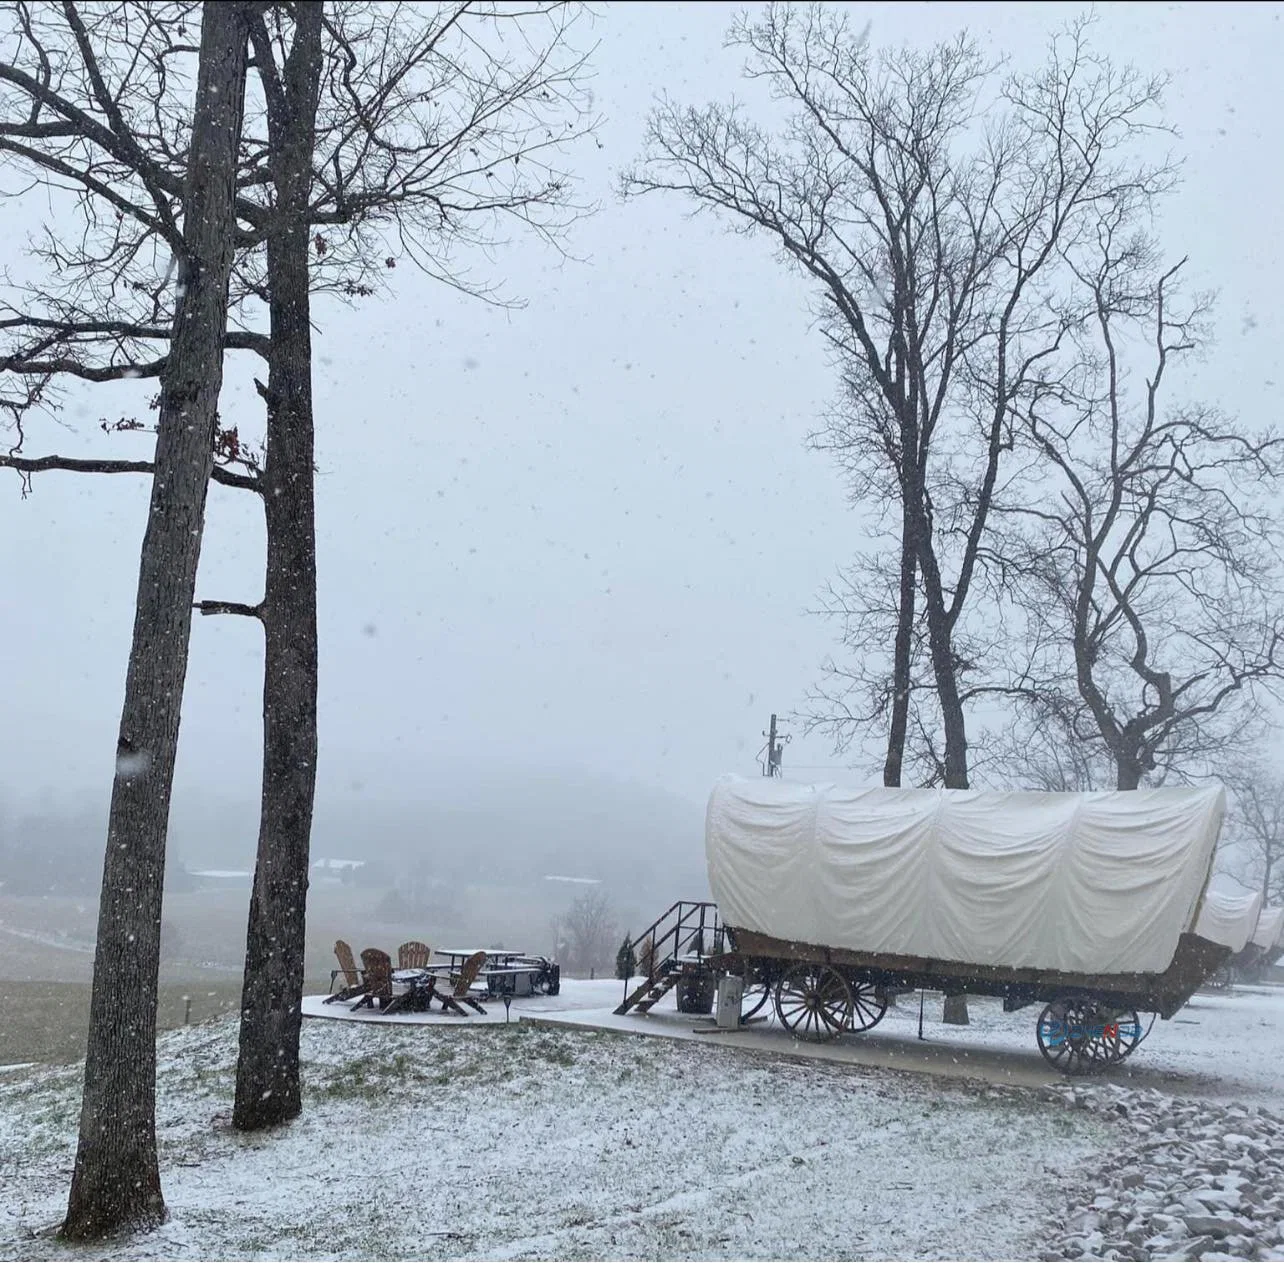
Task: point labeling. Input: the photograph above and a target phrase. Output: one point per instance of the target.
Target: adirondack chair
(376, 965)
(352, 984)
(461, 984)
(413, 955)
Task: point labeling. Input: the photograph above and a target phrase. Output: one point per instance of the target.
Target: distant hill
(525, 827)
(509, 826)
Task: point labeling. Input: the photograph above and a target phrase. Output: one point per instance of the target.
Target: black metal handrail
(691, 926)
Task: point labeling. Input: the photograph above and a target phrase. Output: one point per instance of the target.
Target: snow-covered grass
(464, 1140)
(520, 1141)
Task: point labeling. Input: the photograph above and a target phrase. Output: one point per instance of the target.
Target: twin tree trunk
(116, 1180)
(267, 1072)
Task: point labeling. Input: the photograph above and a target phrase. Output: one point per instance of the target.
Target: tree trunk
(901, 665)
(116, 1180)
(267, 1072)
(1127, 772)
(941, 643)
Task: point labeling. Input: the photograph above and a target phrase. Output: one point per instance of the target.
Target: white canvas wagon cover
(1228, 918)
(1270, 928)
(1094, 883)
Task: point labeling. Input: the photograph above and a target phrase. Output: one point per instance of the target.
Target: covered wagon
(1228, 918)
(829, 898)
(1264, 942)
(1268, 938)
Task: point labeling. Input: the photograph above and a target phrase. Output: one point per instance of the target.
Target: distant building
(220, 878)
(337, 870)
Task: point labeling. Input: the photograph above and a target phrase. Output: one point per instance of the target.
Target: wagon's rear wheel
(814, 1002)
(869, 1004)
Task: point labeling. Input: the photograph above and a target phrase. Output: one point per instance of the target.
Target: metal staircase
(677, 944)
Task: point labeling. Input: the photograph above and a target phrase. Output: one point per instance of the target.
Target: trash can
(731, 993)
(696, 992)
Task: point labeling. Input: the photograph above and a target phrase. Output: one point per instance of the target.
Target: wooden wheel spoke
(869, 1008)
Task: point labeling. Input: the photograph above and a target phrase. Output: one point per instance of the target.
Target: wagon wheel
(1078, 1036)
(756, 993)
(1053, 1034)
(870, 1004)
(1130, 1032)
(814, 1002)
(1122, 1032)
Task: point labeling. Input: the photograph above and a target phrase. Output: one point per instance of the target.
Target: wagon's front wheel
(1078, 1036)
(1130, 1033)
(814, 1002)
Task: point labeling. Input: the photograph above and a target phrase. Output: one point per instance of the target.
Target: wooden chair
(376, 965)
(461, 986)
(413, 955)
(352, 984)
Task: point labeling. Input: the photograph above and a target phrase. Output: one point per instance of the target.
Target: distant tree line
(47, 854)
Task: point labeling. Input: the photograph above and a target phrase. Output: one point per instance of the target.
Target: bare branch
(28, 465)
(230, 607)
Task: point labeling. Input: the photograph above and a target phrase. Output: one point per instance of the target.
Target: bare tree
(931, 205)
(379, 131)
(116, 1182)
(1041, 744)
(589, 927)
(857, 690)
(267, 1069)
(1148, 559)
(1255, 828)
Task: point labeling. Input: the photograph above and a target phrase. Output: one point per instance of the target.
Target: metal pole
(920, 1012)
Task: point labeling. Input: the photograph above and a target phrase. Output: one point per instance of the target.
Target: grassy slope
(528, 1142)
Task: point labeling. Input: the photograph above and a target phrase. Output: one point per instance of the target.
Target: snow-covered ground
(465, 1140)
(526, 1142)
(1223, 1046)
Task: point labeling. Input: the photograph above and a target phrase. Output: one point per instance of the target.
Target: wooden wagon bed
(1163, 993)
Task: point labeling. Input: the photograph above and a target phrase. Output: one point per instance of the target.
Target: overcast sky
(585, 533)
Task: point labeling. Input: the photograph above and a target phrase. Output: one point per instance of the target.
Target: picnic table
(507, 971)
(496, 956)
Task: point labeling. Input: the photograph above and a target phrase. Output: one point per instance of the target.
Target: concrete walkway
(880, 1050)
